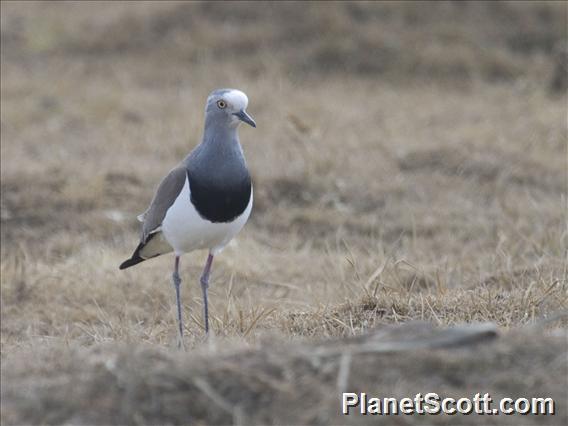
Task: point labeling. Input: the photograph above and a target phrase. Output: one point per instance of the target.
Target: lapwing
(205, 200)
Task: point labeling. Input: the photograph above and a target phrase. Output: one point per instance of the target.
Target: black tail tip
(136, 258)
(131, 262)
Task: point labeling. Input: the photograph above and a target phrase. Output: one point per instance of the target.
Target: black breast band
(220, 200)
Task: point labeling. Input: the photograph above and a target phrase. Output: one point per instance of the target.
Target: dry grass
(282, 383)
(409, 163)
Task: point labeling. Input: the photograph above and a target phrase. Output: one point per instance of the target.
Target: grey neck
(220, 137)
(219, 144)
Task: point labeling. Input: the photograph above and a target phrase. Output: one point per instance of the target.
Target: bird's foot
(180, 344)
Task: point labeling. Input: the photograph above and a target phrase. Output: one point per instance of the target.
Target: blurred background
(409, 164)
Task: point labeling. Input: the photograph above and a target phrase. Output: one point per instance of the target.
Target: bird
(204, 201)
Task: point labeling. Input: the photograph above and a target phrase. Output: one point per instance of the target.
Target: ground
(409, 164)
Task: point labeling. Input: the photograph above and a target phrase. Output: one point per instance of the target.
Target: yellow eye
(222, 104)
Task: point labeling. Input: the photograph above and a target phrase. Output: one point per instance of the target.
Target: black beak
(244, 117)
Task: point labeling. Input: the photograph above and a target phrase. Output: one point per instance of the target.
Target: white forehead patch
(237, 99)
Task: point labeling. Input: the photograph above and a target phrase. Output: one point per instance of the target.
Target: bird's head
(228, 107)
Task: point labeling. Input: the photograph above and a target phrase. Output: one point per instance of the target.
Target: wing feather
(165, 195)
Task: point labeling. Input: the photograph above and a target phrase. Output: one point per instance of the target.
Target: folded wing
(152, 242)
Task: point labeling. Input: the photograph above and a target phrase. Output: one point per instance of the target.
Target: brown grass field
(410, 164)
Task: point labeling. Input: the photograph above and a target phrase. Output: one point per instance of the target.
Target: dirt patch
(311, 192)
(451, 162)
(298, 192)
(468, 163)
(36, 209)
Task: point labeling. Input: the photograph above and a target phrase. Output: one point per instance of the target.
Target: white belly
(185, 230)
